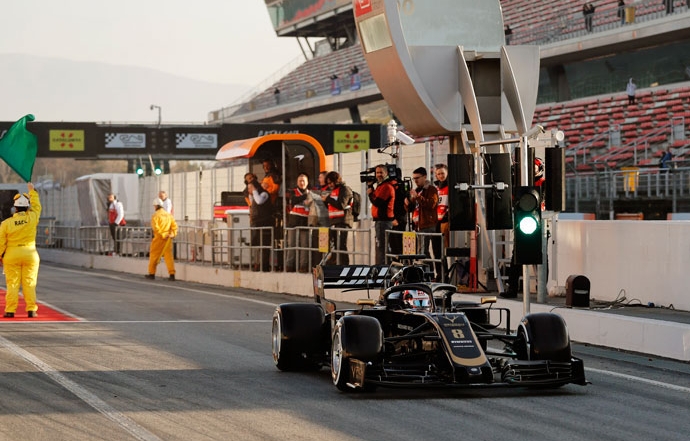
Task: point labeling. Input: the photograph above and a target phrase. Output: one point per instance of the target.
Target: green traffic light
(528, 225)
(140, 171)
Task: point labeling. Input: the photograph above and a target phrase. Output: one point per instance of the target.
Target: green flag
(18, 148)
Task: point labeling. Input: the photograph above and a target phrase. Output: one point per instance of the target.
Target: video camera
(369, 175)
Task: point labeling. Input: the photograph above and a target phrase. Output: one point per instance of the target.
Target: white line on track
(174, 286)
(162, 321)
(89, 398)
(641, 380)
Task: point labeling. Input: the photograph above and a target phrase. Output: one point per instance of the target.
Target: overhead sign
(346, 141)
(84, 140)
(66, 140)
(196, 141)
(125, 140)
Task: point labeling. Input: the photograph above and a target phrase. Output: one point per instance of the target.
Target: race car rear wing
(361, 277)
(348, 278)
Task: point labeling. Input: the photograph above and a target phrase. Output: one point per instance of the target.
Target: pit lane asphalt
(156, 360)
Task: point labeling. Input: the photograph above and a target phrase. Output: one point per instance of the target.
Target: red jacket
(382, 200)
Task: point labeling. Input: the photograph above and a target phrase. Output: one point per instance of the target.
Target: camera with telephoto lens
(369, 175)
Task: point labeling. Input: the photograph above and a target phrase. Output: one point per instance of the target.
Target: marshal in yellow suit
(18, 251)
(164, 230)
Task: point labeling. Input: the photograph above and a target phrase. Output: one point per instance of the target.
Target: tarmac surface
(625, 325)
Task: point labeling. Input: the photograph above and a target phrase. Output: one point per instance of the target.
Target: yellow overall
(164, 229)
(20, 259)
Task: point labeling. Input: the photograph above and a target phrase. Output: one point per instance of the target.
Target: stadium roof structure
(577, 66)
(331, 19)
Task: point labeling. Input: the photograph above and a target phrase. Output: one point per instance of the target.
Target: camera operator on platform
(382, 197)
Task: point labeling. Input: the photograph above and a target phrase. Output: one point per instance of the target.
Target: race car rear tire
(297, 336)
(543, 336)
(354, 336)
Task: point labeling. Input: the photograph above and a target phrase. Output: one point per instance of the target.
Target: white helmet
(418, 299)
(157, 202)
(21, 200)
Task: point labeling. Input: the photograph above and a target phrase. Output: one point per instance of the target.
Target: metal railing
(420, 240)
(636, 183)
(217, 246)
(573, 25)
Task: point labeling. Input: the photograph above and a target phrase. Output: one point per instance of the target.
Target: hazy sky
(221, 41)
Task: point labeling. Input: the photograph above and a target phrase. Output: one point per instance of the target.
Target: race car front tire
(354, 336)
(543, 336)
(297, 336)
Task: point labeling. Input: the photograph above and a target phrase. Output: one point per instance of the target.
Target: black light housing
(527, 226)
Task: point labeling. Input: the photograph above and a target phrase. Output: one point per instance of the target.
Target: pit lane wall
(647, 336)
(643, 261)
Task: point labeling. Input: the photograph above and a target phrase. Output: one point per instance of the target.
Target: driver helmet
(538, 168)
(418, 299)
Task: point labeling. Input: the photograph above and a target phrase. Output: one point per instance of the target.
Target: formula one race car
(418, 333)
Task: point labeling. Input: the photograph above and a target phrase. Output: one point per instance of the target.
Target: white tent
(93, 190)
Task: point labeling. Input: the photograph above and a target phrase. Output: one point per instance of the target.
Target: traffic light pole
(525, 181)
(547, 220)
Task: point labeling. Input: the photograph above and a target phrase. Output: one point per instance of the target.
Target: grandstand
(582, 77)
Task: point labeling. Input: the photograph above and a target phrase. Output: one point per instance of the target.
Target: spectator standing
(442, 187)
(167, 203)
(299, 201)
(18, 250)
(318, 215)
(340, 216)
(355, 80)
(423, 203)
(621, 11)
(116, 218)
(382, 197)
(588, 12)
(630, 90)
(666, 159)
(164, 230)
(260, 215)
(669, 6)
(276, 95)
(335, 85)
(441, 184)
(508, 33)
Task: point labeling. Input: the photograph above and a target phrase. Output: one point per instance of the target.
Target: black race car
(418, 333)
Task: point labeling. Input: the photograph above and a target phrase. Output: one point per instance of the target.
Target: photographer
(402, 187)
(422, 201)
(382, 197)
(260, 215)
(340, 216)
(300, 202)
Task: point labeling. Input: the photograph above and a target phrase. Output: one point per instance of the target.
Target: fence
(233, 247)
(212, 245)
(672, 184)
